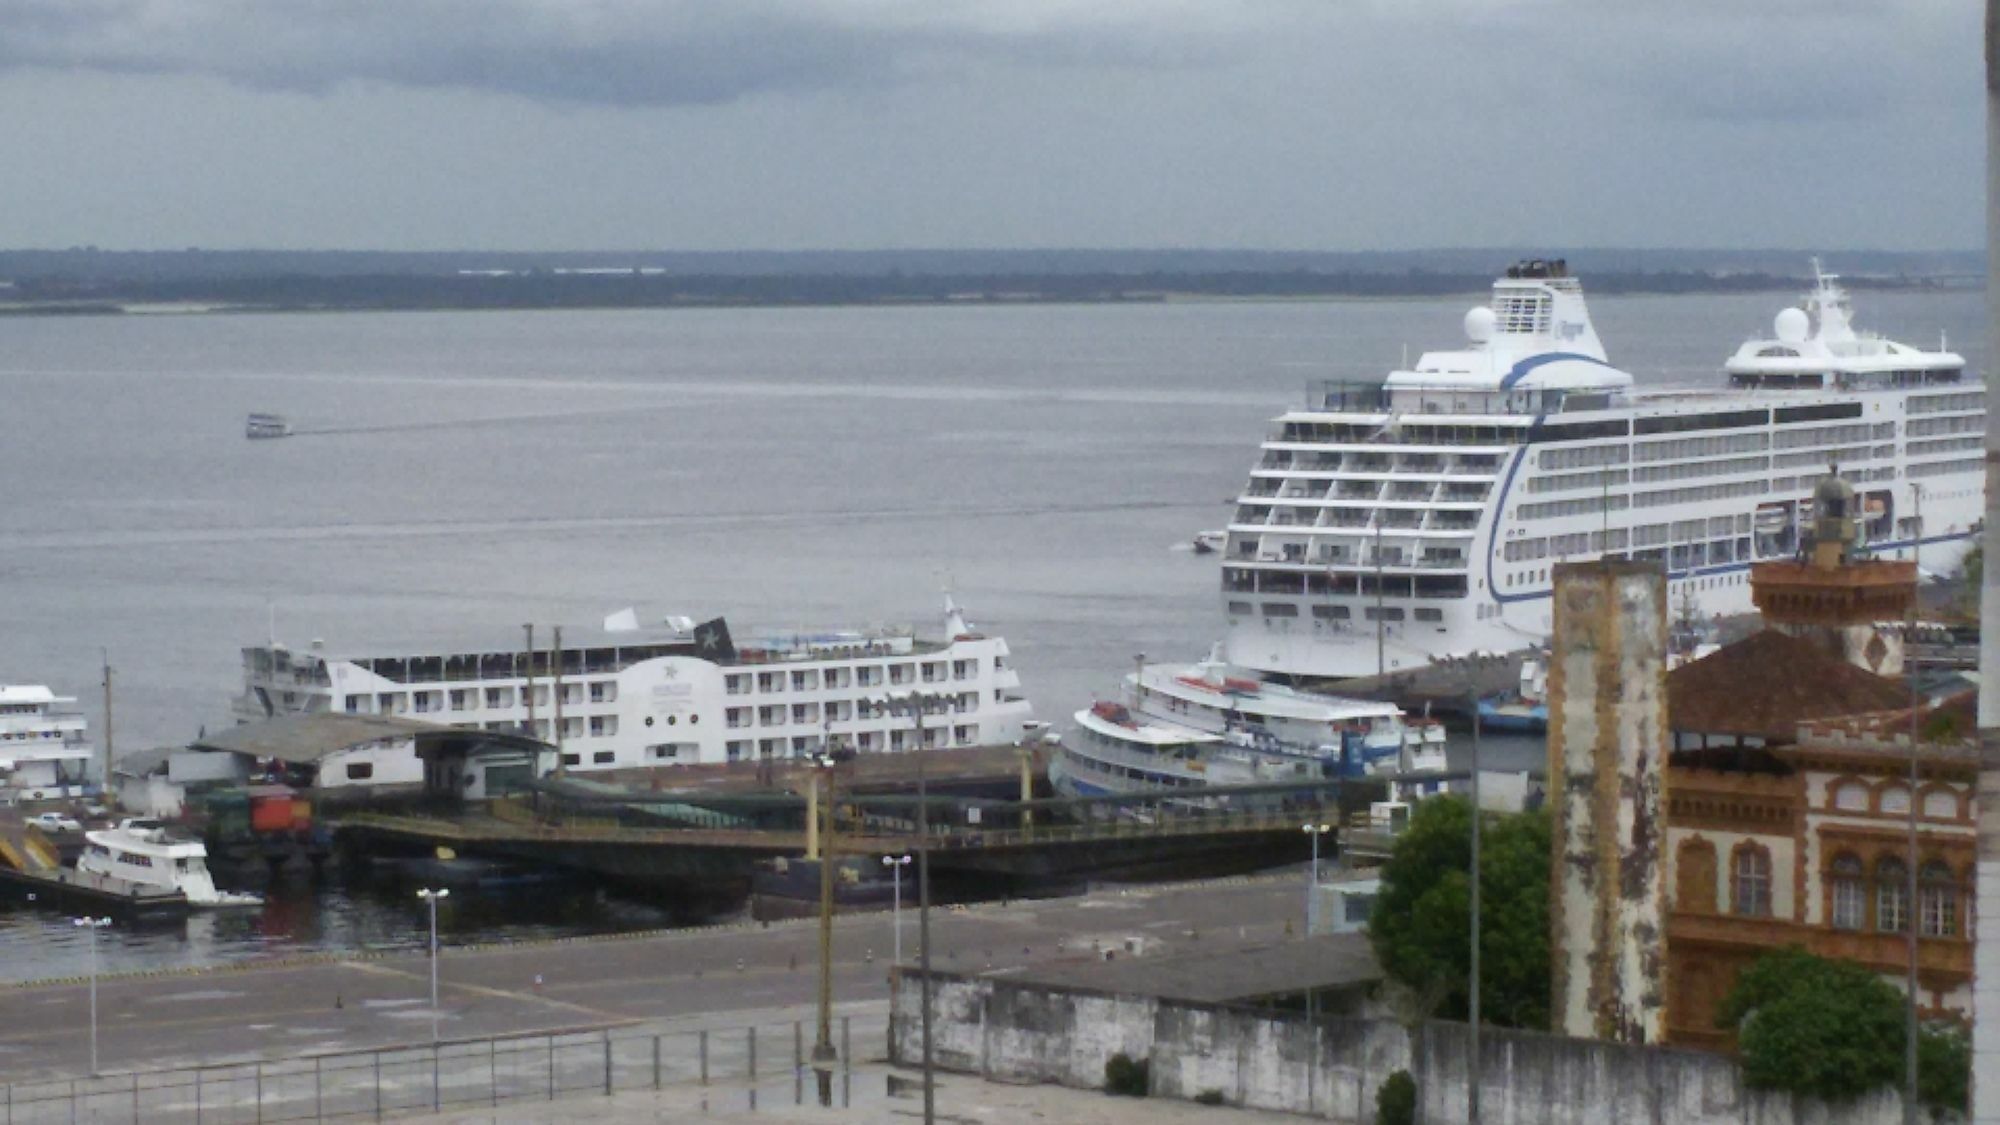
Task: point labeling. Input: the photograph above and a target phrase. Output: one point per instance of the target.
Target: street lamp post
(93, 925)
(1315, 831)
(823, 1053)
(431, 897)
(895, 864)
(916, 702)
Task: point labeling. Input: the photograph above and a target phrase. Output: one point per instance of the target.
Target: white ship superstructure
(683, 695)
(1388, 524)
(149, 853)
(45, 750)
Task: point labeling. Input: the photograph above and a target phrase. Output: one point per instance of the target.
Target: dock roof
(305, 739)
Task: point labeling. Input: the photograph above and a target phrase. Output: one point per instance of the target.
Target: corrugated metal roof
(304, 739)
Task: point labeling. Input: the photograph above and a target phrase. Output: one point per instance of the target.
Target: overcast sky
(849, 124)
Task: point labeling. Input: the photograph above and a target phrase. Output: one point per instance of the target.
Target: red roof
(1766, 684)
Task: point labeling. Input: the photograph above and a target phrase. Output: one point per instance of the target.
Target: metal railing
(375, 1084)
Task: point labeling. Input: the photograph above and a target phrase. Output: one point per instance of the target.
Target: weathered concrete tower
(1835, 596)
(1608, 743)
(1986, 953)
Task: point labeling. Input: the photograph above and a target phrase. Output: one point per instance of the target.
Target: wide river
(457, 474)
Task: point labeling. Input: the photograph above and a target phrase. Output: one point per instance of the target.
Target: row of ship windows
(1335, 612)
(812, 679)
(1933, 404)
(471, 699)
(868, 741)
(835, 711)
(1648, 535)
(1956, 424)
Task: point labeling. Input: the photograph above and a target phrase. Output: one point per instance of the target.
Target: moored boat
(149, 853)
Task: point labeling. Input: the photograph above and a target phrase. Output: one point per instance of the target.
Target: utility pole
(1474, 1070)
(530, 689)
(1913, 914)
(924, 906)
(1986, 947)
(556, 690)
(1381, 652)
(104, 776)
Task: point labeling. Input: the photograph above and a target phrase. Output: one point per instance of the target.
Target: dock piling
(704, 1058)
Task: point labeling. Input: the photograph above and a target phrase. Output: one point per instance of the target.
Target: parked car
(55, 822)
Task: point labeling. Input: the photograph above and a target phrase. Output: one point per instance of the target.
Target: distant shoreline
(536, 290)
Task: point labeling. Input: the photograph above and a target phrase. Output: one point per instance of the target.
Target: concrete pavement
(680, 980)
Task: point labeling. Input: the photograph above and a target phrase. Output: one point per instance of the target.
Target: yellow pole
(812, 818)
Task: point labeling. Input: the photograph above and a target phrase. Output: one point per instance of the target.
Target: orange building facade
(1807, 845)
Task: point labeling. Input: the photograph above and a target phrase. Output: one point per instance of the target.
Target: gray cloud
(617, 52)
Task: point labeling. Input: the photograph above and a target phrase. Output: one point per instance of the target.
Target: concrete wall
(1608, 742)
(1017, 1033)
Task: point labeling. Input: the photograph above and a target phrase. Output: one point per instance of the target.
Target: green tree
(1421, 922)
(1834, 1030)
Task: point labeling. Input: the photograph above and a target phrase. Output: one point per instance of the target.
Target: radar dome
(1792, 326)
(1479, 321)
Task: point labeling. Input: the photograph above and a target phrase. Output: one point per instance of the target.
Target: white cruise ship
(45, 752)
(682, 695)
(1388, 524)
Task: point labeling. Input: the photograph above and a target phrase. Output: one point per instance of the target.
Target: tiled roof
(1766, 684)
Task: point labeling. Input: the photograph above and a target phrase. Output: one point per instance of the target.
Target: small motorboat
(1209, 542)
(149, 853)
(261, 426)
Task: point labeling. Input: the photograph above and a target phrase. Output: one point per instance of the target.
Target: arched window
(1850, 796)
(1940, 804)
(1938, 893)
(1694, 877)
(1751, 892)
(1847, 892)
(1895, 799)
(1892, 896)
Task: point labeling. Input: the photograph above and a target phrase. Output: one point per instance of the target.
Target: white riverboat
(1191, 727)
(149, 853)
(679, 695)
(1388, 524)
(45, 749)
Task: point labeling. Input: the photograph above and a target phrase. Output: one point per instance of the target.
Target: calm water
(787, 467)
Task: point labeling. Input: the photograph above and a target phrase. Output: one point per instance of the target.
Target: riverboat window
(1720, 420)
(499, 697)
(354, 703)
(1429, 614)
(133, 859)
(737, 683)
(1241, 609)
(1331, 612)
(1280, 609)
(805, 712)
(770, 681)
(735, 751)
(360, 771)
(805, 681)
(901, 673)
(1387, 613)
(603, 757)
(463, 699)
(603, 726)
(1663, 497)
(736, 717)
(964, 735)
(604, 691)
